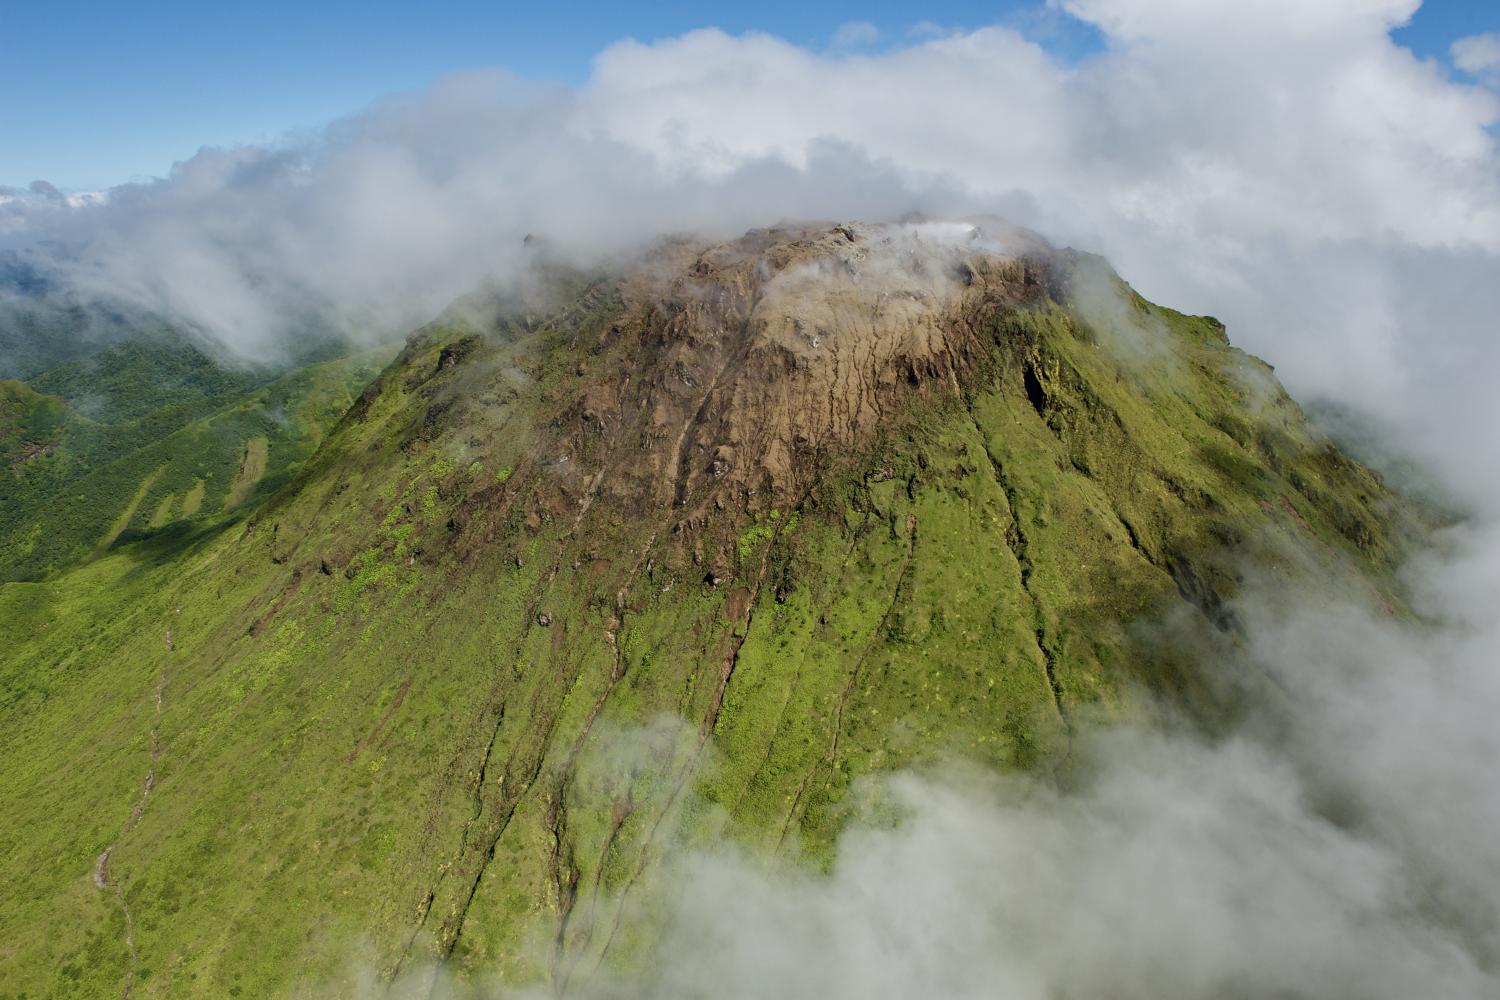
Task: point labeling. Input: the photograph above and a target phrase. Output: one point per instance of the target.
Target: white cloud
(926, 29)
(1182, 871)
(1283, 165)
(1287, 20)
(855, 35)
(1479, 56)
(1341, 844)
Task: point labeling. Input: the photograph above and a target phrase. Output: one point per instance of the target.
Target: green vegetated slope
(148, 433)
(31, 423)
(537, 617)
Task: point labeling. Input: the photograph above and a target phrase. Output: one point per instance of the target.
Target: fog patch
(1121, 321)
(1182, 870)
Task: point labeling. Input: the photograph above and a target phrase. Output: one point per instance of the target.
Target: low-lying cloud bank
(1338, 845)
(1283, 165)
(1341, 845)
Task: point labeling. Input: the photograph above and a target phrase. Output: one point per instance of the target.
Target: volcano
(614, 564)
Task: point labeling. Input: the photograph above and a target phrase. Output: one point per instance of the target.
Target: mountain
(615, 565)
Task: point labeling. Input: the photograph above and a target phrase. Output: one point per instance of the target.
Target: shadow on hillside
(153, 549)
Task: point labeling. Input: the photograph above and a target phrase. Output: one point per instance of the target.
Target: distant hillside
(42, 325)
(147, 433)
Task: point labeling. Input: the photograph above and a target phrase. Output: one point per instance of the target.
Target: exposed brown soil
(753, 361)
(30, 450)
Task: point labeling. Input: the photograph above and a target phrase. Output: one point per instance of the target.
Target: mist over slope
(1284, 166)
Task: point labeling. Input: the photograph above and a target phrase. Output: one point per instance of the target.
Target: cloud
(1338, 844)
(855, 35)
(1288, 20)
(1479, 56)
(1182, 871)
(926, 29)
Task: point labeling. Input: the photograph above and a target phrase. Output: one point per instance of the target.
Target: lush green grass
(142, 378)
(421, 703)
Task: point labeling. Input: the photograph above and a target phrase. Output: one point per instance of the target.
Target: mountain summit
(617, 564)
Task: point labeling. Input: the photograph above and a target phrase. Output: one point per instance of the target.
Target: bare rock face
(763, 355)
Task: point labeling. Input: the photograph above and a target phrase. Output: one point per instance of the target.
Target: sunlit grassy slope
(417, 706)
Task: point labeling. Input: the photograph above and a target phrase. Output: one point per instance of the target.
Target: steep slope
(630, 563)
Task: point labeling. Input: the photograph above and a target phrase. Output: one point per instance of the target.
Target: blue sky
(93, 94)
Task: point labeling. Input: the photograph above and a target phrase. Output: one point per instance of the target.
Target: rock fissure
(737, 638)
(1020, 545)
(566, 772)
(830, 759)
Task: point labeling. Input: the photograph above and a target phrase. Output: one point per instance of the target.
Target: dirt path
(102, 879)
